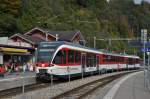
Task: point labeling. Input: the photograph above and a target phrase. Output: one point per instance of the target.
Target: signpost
(144, 40)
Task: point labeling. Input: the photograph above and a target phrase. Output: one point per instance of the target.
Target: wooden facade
(36, 35)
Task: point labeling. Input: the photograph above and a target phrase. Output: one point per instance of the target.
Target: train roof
(120, 54)
(59, 43)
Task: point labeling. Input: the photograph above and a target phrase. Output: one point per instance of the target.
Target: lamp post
(94, 42)
(68, 69)
(36, 55)
(57, 37)
(148, 71)
(23, 82)
(51, 77)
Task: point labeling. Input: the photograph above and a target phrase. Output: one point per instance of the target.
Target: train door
(83, 62)
(97, 62)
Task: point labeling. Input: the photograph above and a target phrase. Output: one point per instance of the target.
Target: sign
(135, 44)
(138, 44)
(146, 50)
(143, 35)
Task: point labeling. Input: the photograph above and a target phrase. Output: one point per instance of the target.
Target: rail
(84, 90)
(80, 91)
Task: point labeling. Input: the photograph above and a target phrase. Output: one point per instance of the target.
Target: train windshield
(46, 51)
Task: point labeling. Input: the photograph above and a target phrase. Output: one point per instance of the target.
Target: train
(62, 59)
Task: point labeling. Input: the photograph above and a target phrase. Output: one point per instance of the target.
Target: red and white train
(61, 59)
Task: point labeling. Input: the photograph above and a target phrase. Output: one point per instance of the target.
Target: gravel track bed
(101, 92)
(51, 91)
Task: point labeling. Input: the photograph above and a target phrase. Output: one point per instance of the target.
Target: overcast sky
(137, 1)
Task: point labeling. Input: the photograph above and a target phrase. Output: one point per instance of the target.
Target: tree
(7, 25)
(9, 9)
(10, 6)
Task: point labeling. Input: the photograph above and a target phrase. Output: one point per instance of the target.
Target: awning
(21, 54)
(13, 50)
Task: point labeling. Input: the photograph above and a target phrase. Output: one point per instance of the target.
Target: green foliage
(9, 9)
(119, 18)
(7, 25)
(10, 6)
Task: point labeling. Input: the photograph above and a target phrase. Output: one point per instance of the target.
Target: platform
(16, 80)
(129, 87)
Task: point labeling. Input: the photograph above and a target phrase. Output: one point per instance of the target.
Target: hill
(118, 18)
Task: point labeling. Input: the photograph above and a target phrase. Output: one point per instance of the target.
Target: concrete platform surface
(16, 80)
(129, 87)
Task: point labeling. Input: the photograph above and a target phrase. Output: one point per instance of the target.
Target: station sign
(138, 44)
(145, 50)
(144, 35)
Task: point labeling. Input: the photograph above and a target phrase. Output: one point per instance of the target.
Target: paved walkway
(16, 80)
(16, 75)
(130, 87)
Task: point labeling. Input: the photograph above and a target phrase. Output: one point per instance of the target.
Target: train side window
(113, 59)
(91, 60)
(70, 56)
(130, 61)
(94, 60)
(58, 58)
(104, 58)
(78, 57)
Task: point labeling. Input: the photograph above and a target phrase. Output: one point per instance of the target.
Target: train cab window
(58, 58)
(64, 56)
(70, 56)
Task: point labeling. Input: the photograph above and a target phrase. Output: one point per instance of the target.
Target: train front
(45, 54)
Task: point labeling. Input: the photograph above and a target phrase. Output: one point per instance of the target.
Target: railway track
(84, 90)
(77, 93)
(15, 91)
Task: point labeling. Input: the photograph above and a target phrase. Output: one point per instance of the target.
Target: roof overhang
(16, 35)
(29, 32)
(78, 33)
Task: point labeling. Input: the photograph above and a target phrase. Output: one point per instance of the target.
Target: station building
(21, 48)
(14, 54)
(36, 35)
